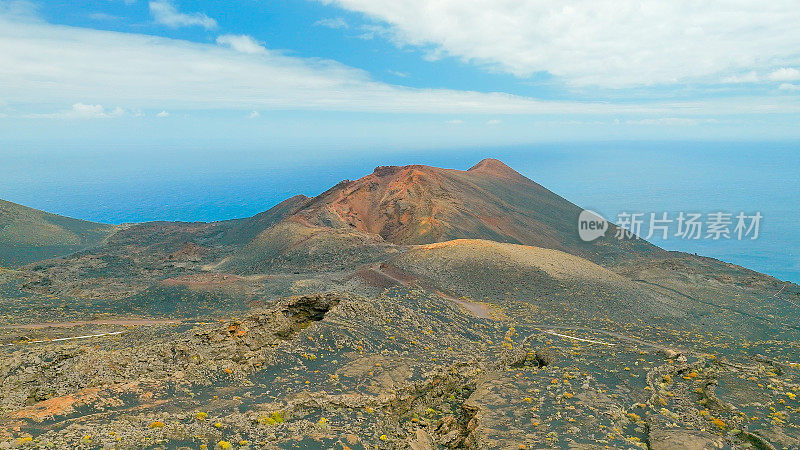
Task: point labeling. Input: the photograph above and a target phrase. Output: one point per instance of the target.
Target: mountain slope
(292, 246)
(242, 231)
(421, 205)
(27, 234)
(561, 283)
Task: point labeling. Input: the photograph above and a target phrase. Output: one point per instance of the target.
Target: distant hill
(28, 235)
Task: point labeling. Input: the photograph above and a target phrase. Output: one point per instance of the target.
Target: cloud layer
(607, 43)
(49, 65)
(44, 67)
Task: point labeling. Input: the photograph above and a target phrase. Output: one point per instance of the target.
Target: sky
(318, 75)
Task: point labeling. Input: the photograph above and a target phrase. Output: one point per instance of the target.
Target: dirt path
(122, 322)
(631, 340)
(71, 338)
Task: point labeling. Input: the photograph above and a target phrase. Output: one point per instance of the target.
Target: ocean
(611, 178)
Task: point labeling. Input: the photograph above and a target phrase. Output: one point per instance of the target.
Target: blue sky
(335, 74)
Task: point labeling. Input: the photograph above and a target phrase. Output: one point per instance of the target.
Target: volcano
(417, 204)
(416, 307)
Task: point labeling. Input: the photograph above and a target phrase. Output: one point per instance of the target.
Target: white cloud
(82, 111)
(610, 43)
(454, 121)
(784, 74)
(254, 115)
(165, 13)
(241, 43)
(749, 77)
(162, 114)
(789, 87)
(47, 66)
(370, 31)
(398, 73)
(334, 23)
(494, 122)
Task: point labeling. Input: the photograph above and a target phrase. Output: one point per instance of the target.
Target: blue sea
(133, 185)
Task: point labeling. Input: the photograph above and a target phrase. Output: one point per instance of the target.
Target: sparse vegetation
(461, 344)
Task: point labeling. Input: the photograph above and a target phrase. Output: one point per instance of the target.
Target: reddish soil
(57, 406)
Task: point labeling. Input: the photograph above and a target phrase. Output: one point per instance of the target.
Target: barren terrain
(416, 307)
